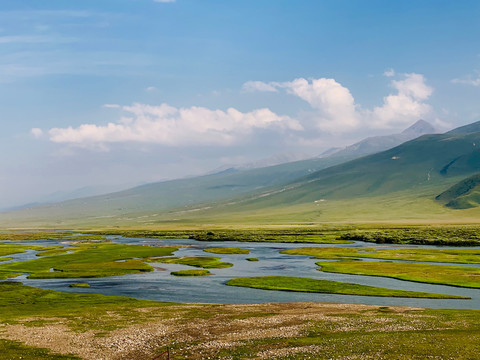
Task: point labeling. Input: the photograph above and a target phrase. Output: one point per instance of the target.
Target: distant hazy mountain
(83, 192)
(376, 144)
(207, 189)
(277, 159)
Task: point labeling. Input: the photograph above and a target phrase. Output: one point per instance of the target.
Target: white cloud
(389, 73)
(111, 106)
(173, 126)
(36, 132)
(151, 88)
(468, 81)
(405, 106)
(251, 86)
(336, 110)
(334, 103)
(414, 86)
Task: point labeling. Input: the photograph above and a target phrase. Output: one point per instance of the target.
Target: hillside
(157, 197)
(431, 160)
(463, 195)
(399, 184)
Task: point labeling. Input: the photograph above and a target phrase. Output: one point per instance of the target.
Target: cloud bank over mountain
(338, 112)
(333, 109)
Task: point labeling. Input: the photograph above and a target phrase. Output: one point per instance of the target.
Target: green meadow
(377, 332)
(86, 261)
(462, 276)
(325, 331)
(206, 262)
(191, 273)
(464, 256)
(286, 283)
(227, 250)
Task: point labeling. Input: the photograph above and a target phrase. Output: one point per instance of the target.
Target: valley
(291, 261)
(153, 309)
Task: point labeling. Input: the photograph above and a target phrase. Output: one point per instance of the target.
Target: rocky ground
(204, 336)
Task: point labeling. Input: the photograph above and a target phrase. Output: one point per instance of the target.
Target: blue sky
(119, 92)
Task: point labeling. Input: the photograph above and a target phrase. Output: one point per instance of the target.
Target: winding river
(160, 285)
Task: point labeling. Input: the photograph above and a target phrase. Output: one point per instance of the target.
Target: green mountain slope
(158, 197)
(427, 161)
(463, 195)
(466, 129)
(397, 184)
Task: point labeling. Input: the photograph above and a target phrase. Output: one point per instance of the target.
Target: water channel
(162, 286)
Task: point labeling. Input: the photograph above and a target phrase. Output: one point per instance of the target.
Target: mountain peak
(421, 127)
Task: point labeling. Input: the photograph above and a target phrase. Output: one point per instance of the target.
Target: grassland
(462, 256)
(7, 275)
(191, 273)
(425, 235)
(321, 235)
(89, 324)
(206, 262)
(86, 261)
(227, 250)
(300, 284)
(49, 235)
(79, 285)
(10, 249)
(461, 276)
(83, 311)
(451, 235)
(13, 350)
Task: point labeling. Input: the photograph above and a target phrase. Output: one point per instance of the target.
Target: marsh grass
(461, 276)
(12, 350)
(79, 285)
(81, 311)
(7, 275)
(227, 250)
(286, 283)
(462, 256)
(324, 331)
(49, 235)
(206, 262)
(191, 273)
(87, 261)
(10, 249)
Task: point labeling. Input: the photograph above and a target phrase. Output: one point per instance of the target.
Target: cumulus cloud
(334, 103)
(336, 110)
(389, 73)
(36, 132)
(111, 106)
(468, 81)
(168, 125)
(251, 86)
(405, 106)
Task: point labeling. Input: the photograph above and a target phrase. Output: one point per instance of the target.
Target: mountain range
(416, 170)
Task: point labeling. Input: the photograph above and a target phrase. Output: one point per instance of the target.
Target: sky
(114, 93)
